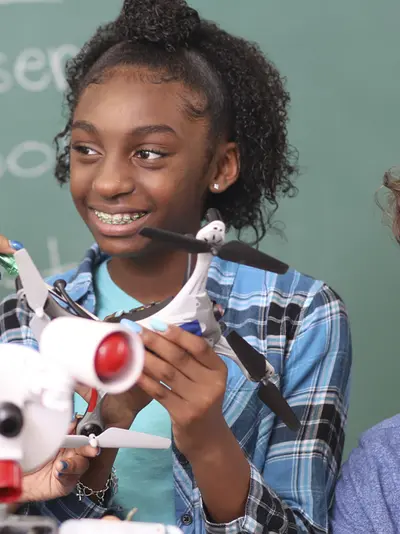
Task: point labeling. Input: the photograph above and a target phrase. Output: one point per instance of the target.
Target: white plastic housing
(72, 342)
(45, 397)
(94, 526)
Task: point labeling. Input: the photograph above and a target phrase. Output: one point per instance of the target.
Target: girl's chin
(133, 247)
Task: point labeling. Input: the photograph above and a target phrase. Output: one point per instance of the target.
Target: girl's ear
(227, 168)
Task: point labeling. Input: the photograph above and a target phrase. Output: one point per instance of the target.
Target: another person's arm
(367, 492)
(56, 478)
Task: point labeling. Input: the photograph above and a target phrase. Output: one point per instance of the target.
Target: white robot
(36, 401)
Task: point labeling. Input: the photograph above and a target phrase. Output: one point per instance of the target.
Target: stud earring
(216, 186)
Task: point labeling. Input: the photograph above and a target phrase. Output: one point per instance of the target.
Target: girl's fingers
(6, 246)
(88, 451)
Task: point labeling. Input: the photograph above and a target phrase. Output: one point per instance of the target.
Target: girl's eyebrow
(140, 130)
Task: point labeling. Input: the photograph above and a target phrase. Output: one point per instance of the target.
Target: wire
(60, 287)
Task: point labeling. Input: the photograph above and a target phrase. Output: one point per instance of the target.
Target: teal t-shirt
(145, 476)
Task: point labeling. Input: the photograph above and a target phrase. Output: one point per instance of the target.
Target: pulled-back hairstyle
(244, 94)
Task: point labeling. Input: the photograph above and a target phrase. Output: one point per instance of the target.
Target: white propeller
(116, 438)
(35, 289)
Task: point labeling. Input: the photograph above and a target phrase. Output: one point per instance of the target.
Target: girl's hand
(59, 476)
(188, 378)
(119, 410)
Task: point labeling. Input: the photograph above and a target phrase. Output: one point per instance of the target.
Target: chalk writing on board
(34, 69)
(55, 266)
(14, 164)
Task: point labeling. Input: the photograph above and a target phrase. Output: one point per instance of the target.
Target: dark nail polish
(64, 465)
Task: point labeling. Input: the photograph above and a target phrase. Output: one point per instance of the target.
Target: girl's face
(138, 159)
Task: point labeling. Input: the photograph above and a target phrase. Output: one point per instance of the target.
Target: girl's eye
(85, 150)
(149, 154)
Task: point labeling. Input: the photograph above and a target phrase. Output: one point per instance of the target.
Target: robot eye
(112, 356)
(11, 420)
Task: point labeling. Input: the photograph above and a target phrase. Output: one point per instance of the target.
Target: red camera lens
(112, 356)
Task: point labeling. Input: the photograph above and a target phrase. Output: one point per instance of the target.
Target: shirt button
(187, 519)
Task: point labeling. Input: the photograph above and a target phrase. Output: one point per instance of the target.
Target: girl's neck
(150, 281)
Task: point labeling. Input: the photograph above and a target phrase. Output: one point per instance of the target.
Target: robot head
(36, 389)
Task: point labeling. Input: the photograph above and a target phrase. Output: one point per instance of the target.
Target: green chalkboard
(342, 64)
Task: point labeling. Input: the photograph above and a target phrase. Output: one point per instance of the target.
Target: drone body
(192, 305)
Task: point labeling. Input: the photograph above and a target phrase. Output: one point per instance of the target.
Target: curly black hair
(245, 97)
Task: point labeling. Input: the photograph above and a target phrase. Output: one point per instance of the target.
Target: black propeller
(186, 242)
(234, 251)
(254, 362)
(239, 252)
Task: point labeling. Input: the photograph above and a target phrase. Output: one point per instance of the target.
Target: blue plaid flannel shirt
(301, 326)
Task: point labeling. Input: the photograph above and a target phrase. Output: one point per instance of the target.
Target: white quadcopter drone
(191, 309)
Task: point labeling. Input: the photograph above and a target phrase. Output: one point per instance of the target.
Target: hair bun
(169, 23)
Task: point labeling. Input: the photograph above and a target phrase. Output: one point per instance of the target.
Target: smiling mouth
(119, 219)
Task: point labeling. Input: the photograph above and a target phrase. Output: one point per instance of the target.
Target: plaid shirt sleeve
(303, 467)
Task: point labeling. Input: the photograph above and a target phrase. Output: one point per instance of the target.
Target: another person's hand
(8, 247)
(59, 476)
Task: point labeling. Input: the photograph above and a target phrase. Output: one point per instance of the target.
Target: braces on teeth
(119, 218)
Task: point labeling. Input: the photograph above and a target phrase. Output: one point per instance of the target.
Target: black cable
(59, 285)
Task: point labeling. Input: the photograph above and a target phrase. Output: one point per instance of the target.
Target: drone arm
(198, 280)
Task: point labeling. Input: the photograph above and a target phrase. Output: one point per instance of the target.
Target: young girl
(169, 116)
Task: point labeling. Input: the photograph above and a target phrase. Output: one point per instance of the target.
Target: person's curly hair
(391, 207)
(245, 97)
